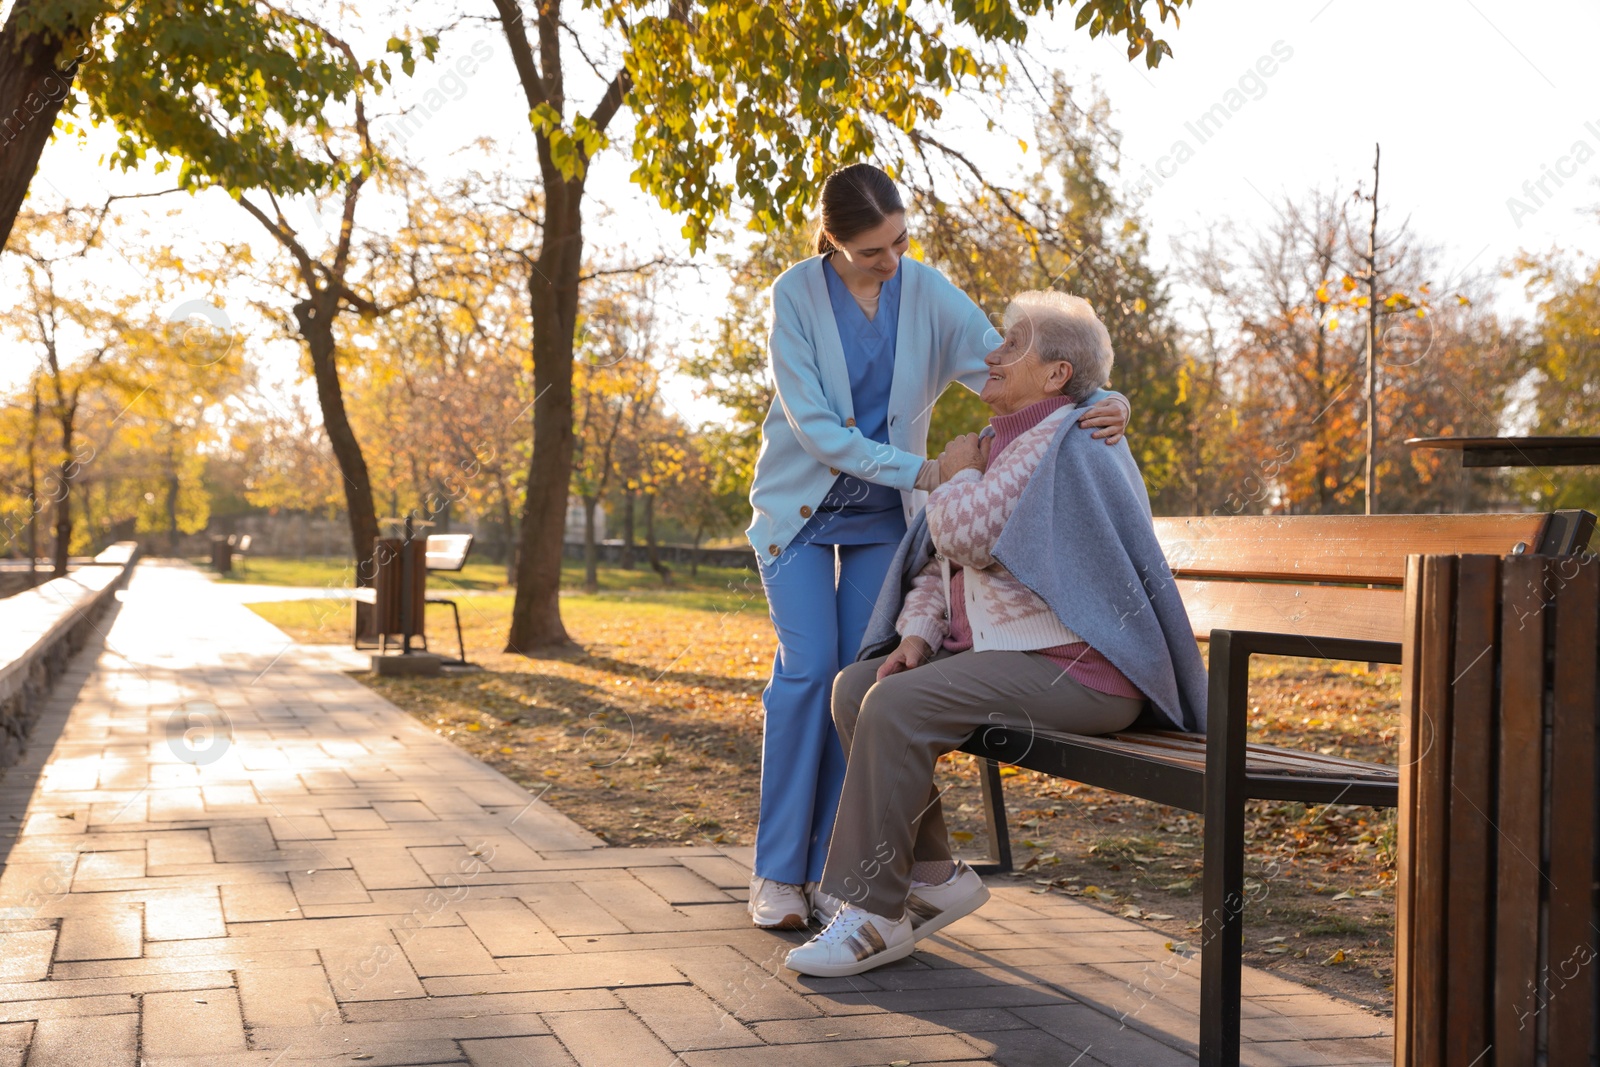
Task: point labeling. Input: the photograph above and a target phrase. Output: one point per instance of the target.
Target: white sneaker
(933, 907)
(854, 941)
(824, 906)
(777, 905)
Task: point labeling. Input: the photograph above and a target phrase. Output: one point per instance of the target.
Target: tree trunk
(591, 550)
(553, 301)
(64, 475)
(625, 561)
(653, 550)
(694, 560)
(32, 91)
(315, 319)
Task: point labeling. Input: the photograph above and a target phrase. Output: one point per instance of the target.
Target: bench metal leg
(460, 644)
(1222, 881)
(994, 814)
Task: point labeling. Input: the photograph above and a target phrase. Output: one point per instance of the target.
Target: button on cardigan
(810, 427)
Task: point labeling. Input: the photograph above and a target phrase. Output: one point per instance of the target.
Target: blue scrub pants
(821, 598)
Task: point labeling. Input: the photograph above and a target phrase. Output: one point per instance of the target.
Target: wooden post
(1497, 951)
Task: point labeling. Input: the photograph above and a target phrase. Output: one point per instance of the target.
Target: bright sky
(1488, 121)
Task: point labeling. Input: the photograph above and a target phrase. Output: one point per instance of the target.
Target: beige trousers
(894, 731)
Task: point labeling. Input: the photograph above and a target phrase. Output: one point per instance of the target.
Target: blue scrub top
(856, 512)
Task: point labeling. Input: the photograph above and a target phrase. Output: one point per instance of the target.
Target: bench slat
(1189, 749)
(1271, 773)
(1347, 612)
(1333, 548)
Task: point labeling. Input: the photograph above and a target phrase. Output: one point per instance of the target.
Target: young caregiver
(862, 343)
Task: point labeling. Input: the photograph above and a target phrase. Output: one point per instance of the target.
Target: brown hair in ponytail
(854, 200)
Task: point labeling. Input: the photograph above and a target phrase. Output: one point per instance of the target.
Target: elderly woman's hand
(963, 452)
(1110, 415)
(912, 652)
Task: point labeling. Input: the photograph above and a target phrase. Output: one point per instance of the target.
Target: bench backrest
(447, 552)
(1334, 575)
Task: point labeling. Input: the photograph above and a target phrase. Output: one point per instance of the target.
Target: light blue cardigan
(809, 434)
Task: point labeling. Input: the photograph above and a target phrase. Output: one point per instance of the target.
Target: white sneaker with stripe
(855, 941)
(933, 907)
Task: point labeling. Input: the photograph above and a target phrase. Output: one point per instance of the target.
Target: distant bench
(40, 630)
(1319, 587)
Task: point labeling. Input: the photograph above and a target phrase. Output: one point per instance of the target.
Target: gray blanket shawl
(1082, 539)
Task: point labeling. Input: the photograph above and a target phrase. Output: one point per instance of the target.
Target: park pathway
(221, 850)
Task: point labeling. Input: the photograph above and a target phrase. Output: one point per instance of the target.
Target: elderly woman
(1034, 595)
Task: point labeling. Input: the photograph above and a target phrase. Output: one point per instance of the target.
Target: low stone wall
(40, 631)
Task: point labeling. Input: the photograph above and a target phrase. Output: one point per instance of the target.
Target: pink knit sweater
(966, 516)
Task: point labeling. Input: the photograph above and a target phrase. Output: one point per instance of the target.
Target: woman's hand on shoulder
(912, 652)
(1108, 419)
(963, 452)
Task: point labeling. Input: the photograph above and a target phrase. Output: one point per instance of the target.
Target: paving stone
(69, 1007)
(220, 960)
(517, 1052)
(570, 912)
(178, 847)
(634, 905)
(609, 1039)
(542, 1002)
(95, 931)
(104, 1041)
(678, 886)
(99, 866)
(183, 914)
(1036, 1048)
(285, 996)
(511, 932)
(190, 1024)
(221, 798)
(344, 819)
(258, 902)
(1369, 1052)
(394, 811)
(853, 1028)
(327, 887)
(25, 955)
(598, 971)
(373, 970)
(446, 950)
(744, 989)
(685, 1018)
(387, 868)
(291, 829)
(720, 871)
(242, 841)
(1118, 1040)
(929, 1049)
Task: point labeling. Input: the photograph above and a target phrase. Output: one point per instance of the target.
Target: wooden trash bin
(221, 555)
(1497, 937)
(380, 618)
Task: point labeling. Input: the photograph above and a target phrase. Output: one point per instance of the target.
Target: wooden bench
(239, 549)
(448, 552)
(1321, 587)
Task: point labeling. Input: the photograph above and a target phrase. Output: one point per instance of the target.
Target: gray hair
(1065, 328)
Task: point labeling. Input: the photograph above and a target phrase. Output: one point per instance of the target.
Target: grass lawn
(649, 733)
(337, 572)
